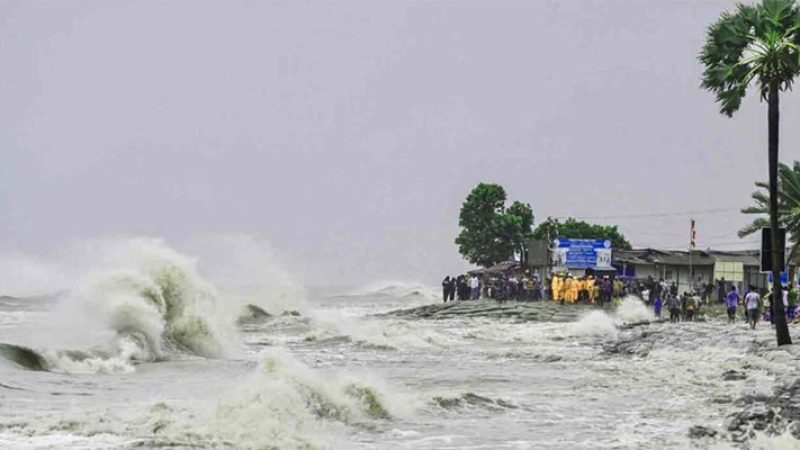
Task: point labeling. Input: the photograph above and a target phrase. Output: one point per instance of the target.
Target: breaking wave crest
(286, 404)
(471, 400)
(600, 323)
(139, 301)
(407, 290)
(156, 299)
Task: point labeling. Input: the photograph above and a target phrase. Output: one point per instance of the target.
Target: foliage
(578, 229)
(489, 233)
(524, 212)
(756, 43)
(759, 43)
(788, 208)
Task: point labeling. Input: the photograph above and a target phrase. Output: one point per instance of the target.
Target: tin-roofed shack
(709, 266)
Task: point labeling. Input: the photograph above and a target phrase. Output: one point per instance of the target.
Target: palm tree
(788, 211)
(757, 44)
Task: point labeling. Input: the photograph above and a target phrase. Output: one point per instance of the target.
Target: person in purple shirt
(732, 301)
(606, 291)
(657, 305)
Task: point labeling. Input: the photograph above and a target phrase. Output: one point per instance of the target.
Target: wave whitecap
(148, 303)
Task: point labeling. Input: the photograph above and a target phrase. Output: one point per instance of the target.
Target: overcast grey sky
(348, 133)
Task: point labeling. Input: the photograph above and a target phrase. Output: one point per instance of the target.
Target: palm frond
(753, 227)
(757, 43)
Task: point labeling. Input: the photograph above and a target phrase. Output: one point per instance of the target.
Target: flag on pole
(692, 236)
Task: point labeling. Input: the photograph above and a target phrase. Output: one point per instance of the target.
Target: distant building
(710, 266)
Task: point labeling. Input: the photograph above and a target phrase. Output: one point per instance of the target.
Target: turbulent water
(148, 351)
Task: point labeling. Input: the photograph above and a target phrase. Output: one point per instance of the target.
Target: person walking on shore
(752, 302)
(732, 301)
(692, 303)
(674, 308)
(657, 308)
(446, 288)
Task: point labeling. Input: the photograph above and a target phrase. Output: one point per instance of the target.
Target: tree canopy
(490, 233)
(760, 44)
(788, 208)
(757, 43)
(578, 229)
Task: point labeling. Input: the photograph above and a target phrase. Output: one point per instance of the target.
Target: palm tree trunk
(778, 313)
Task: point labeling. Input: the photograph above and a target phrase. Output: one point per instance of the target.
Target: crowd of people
(511, 286)
(605, 289)
(756, 307)
(524, 286)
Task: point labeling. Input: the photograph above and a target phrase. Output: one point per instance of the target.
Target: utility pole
(692, 236)
(547, 267)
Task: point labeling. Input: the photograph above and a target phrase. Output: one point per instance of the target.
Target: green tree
(578, 229)
(523, 214)
(489, 233)
(788, 211)
(757, 44)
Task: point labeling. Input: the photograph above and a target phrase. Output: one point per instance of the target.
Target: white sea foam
(633, 310)
(142, 300)
(597, 323)
(406, 290)
(244, 270)
(286, 404)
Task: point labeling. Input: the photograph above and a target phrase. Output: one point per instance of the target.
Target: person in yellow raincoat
(576, 289)
(590, 288)
(562, 289)
(555, 286)
(571, 288)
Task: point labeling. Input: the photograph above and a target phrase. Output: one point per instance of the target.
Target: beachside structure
(708, 266)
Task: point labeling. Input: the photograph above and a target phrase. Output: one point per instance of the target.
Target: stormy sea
(148, 347)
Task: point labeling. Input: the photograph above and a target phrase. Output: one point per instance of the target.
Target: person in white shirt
(752, 302)
(474, 284)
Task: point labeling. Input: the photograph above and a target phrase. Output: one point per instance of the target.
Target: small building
(741, 268)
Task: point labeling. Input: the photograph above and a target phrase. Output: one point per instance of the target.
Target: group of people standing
(505, 286)
(462, 287)
(681, 308)
(754, 305)
(571, 289)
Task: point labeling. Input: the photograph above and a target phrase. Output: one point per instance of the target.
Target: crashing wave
(252, 314)
(147, 304)
(292, 406)
(165, 308)
(521, 311)
(397, 290)
(67, 361)
(24, 357)
(471, 400)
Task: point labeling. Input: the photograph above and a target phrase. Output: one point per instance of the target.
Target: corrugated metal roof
(681, 258)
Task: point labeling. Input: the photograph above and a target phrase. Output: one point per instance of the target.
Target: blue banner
(784, 278)
(582, 253)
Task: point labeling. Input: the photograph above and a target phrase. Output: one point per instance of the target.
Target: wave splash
(600, 323)
(157, 300)
(147, 302)
(293, 406)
